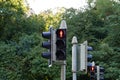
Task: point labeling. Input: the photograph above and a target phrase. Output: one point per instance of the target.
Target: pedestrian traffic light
(92, 73)
(50, 44)
(61, 44)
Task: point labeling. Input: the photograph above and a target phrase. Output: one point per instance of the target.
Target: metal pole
(98, 73)
(74, 57)
(63, 70)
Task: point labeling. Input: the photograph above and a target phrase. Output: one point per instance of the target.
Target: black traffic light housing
(50, 44)
(89, 58)
(102, 70)
(61, 44)
(90, 65)
(92, 73)
(47, 45)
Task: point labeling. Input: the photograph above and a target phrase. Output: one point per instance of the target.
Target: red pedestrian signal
(60, 44)
(60, 33)
(92, 68)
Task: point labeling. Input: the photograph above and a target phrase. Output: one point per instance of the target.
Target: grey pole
(74, 56)
(63, 25)
(63, 71)
(98, 73)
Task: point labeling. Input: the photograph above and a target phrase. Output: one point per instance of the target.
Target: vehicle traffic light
(84, 56)
(89, 64)
(47, 44)
(61, 44)
(102, 70)
(89, 56)
(50, 44)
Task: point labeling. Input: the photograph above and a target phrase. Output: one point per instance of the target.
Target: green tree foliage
(52, 18)
(10, 13)
(20, 44)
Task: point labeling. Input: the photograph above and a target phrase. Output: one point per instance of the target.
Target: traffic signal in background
(92, 73)
(50, 44)
(89, 57)
(89, 64)
(84, 56)
(61, 44)
(100, 72)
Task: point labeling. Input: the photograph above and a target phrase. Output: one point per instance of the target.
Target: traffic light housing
(92, 73)
(90, 64)
(84, 57)
(61, 44)
(89, 56)
(100, 73)
(50, 45)
(47, 45)
(102, 70)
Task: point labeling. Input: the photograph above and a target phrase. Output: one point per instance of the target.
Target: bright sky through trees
(40, 5)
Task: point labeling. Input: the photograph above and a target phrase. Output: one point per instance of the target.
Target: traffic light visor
(46, 35)
(60, 55)
(46, 55)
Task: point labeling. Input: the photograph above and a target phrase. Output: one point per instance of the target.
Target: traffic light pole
(63, 25)
(50, 60)
(63, 70)
(74, 55)
(98, 72)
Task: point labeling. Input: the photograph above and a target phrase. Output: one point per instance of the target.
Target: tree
(10, 16)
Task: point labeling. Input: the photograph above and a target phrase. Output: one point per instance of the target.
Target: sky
(41, 5)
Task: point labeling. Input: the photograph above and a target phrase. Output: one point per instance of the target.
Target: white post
(63, 71)
(63, 25)
(82, 57)
(74, 57)
(98, 73)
